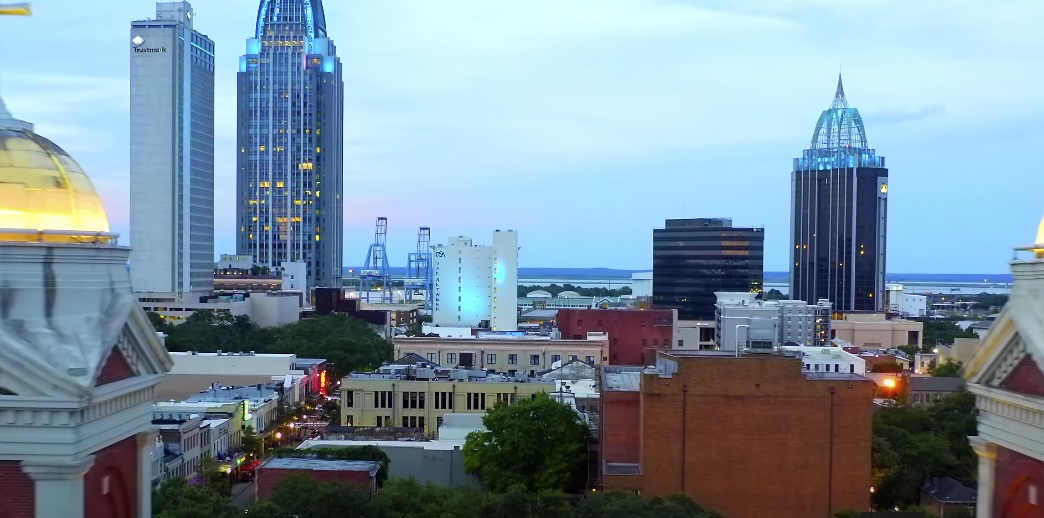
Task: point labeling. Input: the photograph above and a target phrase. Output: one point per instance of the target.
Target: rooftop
(935, 384)
(948, 490)
(314, 464)
(622, 379)
(594, 339)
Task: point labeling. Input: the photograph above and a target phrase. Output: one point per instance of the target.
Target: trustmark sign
(138, 41)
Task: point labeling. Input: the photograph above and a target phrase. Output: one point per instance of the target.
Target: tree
(775, 294)
(614, 504)
(214, 479)
(846, 513)
(887, 367)
(301, 497)
(942, 331)
(175, 498)
(910, 349)
(950, 369)
(252, 444)
(331, 412)
(538, 443)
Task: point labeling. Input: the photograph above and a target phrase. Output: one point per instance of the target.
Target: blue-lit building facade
(290, 134)
(839, 207)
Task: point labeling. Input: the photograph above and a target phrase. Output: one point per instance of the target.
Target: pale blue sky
(583, 124)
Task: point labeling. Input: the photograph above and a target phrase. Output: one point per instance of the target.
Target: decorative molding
(58, 469)
(1009, 357)
(67, 413)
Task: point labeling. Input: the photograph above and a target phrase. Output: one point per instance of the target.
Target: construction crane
(419, 269)
(376, 270)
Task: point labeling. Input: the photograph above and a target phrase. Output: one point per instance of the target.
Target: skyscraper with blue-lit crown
(290, 135)
(839, 207)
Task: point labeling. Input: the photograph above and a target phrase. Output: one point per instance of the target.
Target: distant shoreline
(611, 273)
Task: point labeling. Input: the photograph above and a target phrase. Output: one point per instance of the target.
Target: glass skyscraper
(290, 134)
(171, 154)
(839, 202)
(693, 258)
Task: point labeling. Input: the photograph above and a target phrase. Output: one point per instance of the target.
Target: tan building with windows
(876, 331)
(395, 400)
(507, 355)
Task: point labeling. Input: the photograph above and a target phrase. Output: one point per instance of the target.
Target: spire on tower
(839, 95)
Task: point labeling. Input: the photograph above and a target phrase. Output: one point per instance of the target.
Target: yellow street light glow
(889, 382)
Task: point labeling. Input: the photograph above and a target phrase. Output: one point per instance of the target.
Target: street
(243, 494)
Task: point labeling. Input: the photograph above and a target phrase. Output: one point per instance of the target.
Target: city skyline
(465, 94)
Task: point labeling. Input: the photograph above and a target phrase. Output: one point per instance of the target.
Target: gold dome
(43, 188)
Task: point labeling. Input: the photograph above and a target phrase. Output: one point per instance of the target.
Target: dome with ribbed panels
(42, 188)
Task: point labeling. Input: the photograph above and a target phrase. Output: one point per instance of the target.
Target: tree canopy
(406, 498)
(346, 343)
(913, 444)
(537, 443)
(175, 498)
(950, 369)
(942, 332)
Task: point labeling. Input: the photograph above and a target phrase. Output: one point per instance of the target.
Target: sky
(583, 124)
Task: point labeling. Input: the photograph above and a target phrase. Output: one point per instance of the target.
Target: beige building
(876, 331)
(962, 350)
(509, 355)
(390, 400)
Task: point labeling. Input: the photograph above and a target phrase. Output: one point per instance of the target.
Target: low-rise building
(418, 397)
(899, 302)
(726, 430)
(943, 496)
(633, 334)
(926, 390)
(923, 363)
(962, 350)
(876, 330)
(182, 444)
(828, 360)
(509, 354)
(266, 309)
(746, 322)
(359, 473)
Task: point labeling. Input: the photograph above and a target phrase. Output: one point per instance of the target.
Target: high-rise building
(693, 258)
(289, 182)
(171, 153)
(477, 286)
(838, 214)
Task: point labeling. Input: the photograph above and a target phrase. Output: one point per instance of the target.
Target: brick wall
(1025, 378)
(111, 486)
(1018, 485)
(115, 369)
(18, 497)
(268, 478)
(631, 332)
(757, 435)
(619, 427)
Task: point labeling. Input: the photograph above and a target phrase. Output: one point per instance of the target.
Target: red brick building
(748, 437)
(634, 334)
(362, 474)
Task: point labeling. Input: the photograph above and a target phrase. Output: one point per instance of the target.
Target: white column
(987, 453)
(59, 486)
(146, 443)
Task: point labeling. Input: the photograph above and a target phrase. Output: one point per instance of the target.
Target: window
(451, 358)
(382, 399)
(438, 422)
(656, 342)
(534, 359)
(556, 358)
(851, 368)
(645, 342)
(431, 357)
(420, 422)
(476, 401)
(505, 397)
(572, 357)
(443, 401)
(589, 359)
(643, 323)
(681, 343)
(579, 323)
(837, 367)
(491, 359)
(349, 399)
(512, 359)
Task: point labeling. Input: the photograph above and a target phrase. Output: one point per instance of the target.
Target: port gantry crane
(419, 269)
(376, 272)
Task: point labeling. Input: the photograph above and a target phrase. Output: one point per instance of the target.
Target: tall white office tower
(477, 286)
(172, 154)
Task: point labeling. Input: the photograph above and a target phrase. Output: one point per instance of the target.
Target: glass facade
(839, 215)
(693, 258)
(290, 138)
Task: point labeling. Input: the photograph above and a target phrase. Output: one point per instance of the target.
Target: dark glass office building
(839, 202)
(693, 258)
(290, 142)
